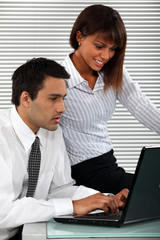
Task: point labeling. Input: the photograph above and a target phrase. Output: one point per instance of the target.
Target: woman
(97, 79)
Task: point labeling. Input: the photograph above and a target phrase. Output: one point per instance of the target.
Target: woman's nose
(106, 55)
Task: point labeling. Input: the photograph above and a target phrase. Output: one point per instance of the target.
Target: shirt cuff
(63, 206)
(109, 194)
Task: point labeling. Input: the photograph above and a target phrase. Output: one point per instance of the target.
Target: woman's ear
(79, 37)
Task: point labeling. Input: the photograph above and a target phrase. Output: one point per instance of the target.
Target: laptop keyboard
(103, 215)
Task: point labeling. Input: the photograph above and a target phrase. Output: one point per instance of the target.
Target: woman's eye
(113, 49)
(98, 46)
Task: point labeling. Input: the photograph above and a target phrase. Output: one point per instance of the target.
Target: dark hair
(30, 77)
(107, 22)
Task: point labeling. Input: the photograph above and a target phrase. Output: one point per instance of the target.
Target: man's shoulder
(5, 125)
(4, 116)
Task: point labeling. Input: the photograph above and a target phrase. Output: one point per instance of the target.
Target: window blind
(41, 29)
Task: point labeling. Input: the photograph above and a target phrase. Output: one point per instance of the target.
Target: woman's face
(94, 50)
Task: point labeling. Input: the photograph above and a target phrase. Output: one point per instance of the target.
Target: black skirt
(102, 173)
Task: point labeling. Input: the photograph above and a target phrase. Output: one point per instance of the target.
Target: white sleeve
(138, 104)
(15, 212)
(62, 184)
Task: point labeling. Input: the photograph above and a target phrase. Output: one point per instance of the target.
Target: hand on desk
(100, 201)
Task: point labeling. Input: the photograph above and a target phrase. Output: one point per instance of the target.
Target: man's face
(45, 111)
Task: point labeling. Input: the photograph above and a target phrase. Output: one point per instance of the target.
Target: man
(38, 90)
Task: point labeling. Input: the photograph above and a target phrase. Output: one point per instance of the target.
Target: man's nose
(60, 106)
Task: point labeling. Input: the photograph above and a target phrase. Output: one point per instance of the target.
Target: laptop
(143, 202)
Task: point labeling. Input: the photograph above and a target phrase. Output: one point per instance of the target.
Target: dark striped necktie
(33, 167)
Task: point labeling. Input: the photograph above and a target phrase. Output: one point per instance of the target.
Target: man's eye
(53, 99)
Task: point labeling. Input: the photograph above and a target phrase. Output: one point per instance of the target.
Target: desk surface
(53, 230)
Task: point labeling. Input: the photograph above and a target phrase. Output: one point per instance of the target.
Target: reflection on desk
(52, 230)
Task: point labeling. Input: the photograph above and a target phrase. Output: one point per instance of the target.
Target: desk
(52, 230)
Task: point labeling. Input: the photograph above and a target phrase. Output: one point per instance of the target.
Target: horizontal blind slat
(41, 29)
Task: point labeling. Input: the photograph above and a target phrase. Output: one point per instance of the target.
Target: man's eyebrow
(56, 95)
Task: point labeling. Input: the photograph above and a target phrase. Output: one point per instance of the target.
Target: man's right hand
(100, 201)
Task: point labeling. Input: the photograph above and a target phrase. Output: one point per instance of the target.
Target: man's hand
(100, 201)
(121, 197)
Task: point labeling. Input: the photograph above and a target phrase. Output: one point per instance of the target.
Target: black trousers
(102, 173)
(18, 236)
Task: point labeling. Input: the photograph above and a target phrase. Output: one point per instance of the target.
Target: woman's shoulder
(126, 76)
(66, 61)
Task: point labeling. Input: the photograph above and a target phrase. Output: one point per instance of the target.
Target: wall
(41, 28)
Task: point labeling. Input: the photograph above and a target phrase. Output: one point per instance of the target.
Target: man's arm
(84, 199)
(15, 212)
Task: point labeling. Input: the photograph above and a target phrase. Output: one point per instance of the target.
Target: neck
(84, 70)
(81, 65)
(24, 116)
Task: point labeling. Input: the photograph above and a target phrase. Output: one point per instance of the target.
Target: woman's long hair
(107, 22)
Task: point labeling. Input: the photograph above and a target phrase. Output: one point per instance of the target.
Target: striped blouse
(84, 123)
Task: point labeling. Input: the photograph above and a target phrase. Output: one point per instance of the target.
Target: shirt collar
(76, 79)
(24, 133)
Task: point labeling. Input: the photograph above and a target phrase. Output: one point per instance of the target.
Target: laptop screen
(143, 201)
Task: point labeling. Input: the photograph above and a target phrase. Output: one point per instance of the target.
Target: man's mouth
(56, 119)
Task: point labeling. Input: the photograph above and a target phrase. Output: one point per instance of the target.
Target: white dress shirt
(87, 111)
(55, 190)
